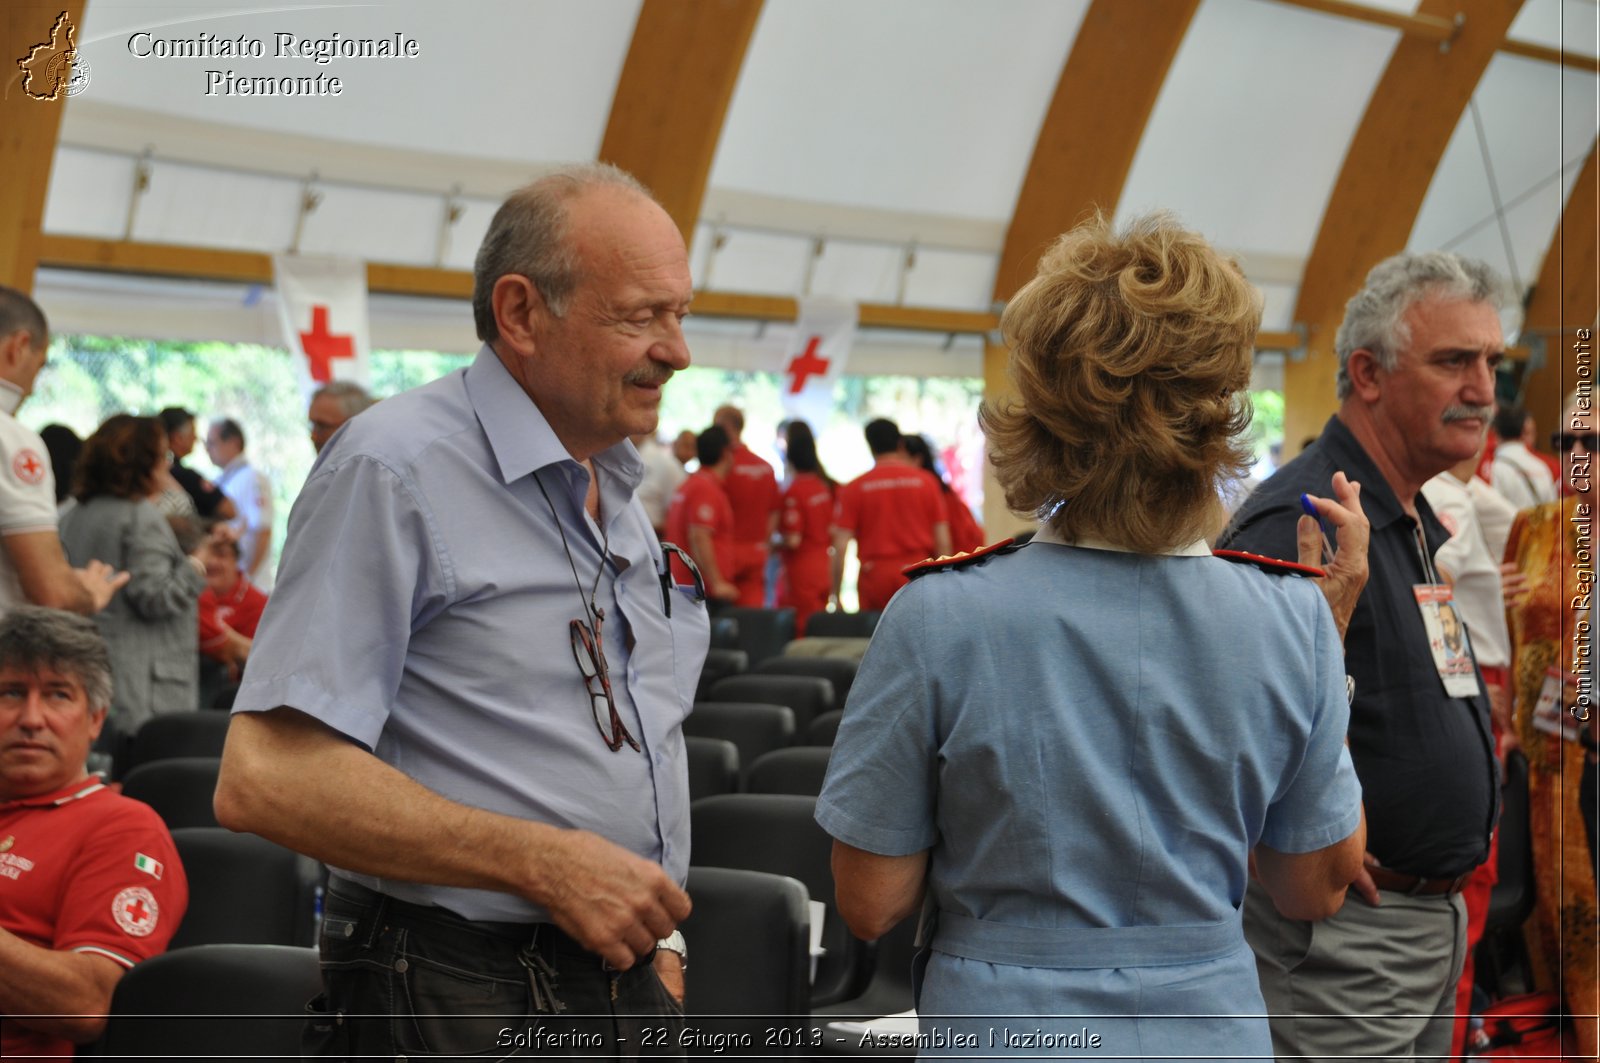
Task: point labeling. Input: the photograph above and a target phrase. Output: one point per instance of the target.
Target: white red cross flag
(322, 302)
(815, 358)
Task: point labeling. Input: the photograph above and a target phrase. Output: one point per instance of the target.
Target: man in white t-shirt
(33, 567)
(1517, 473)
(663, 475)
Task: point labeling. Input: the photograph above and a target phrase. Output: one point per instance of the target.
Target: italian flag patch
(147, 865)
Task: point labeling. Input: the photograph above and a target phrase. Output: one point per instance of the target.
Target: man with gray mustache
(1417, 354)
(466, 694)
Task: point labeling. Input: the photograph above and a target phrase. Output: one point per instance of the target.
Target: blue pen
(1311, 511)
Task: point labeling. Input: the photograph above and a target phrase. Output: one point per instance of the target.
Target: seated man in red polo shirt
(230, 605)
(90, 883)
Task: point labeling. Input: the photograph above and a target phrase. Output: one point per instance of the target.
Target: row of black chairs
(715, 768)
(756, 728)
(750, 929)
(762, 634)
(221, 1001)
(180, 788)
(224, 867)
(772, 830)
(812, 688)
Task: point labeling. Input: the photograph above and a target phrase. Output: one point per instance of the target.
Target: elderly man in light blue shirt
(466, 693)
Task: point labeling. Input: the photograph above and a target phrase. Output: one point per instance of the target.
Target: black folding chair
(840, 671)
(842, 625)
(213, 1002)
(713, 766)
(244, 890)
(796, 770)
(180, 789)
(808, 695)
(749, 943)
(754, 729)
(778, 834)
(719, 665)
(763, 633)
(176, 734)
(823, 729)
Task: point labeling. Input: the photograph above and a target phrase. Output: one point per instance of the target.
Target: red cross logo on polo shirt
(806, 365)
(28, 466)
(135, 910)
(322, 347)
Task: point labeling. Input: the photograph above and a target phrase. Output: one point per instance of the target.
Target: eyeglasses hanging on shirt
(588, 646)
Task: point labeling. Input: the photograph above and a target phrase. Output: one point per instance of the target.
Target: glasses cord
(595, 613)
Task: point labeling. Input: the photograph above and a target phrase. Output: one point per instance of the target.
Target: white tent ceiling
(873, 149)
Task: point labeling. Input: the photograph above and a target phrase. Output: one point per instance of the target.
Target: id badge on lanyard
(1447, 638)
(1447, 633)
(1548, 714)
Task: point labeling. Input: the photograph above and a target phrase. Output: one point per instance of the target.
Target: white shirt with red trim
(86, 870)
(27, 490)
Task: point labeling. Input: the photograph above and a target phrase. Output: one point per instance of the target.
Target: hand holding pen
(1344, 568)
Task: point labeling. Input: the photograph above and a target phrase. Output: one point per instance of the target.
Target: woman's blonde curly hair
(1131, 356)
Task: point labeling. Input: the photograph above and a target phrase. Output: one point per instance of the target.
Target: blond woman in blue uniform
(1072, 756)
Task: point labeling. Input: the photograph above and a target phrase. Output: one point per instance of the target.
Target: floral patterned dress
(1545, 545)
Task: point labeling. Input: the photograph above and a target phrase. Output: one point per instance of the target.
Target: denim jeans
(403, 981)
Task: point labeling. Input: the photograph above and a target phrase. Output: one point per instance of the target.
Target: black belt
(548, 938)
(1417, 885)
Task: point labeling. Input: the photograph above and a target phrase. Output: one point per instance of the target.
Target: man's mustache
(649, 376)
(1468, 413)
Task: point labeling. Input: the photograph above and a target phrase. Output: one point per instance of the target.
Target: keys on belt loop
(542, 980)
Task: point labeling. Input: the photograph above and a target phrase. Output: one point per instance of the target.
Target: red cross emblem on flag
(322, 347)
(28, 466)
(806, 364)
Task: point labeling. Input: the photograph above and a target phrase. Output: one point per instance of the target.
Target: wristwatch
(674, 942)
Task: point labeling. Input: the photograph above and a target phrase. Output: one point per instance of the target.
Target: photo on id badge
(1550, 714)
(1447, 638)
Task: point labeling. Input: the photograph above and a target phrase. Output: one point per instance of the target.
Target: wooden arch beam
(1082, 155)
(1566, 298)
(29, 129)
(672, 97)
(1092, 129)
(1392, 158)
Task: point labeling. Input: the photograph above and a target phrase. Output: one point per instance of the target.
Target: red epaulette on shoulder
(1270, 564)
(955, 561)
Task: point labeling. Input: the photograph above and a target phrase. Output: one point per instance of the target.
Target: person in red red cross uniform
(895, 512)
(90, 882)
(700, 519)
(752, 489)
(807, 525)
